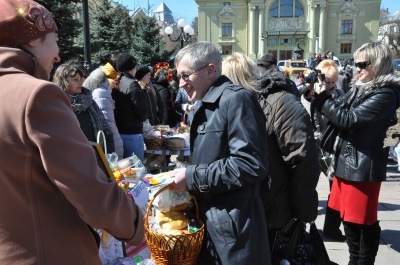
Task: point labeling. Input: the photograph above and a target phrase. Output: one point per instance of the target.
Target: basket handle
(100, 133)
(146, 219)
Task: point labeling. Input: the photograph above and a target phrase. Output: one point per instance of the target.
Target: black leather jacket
(363, 119)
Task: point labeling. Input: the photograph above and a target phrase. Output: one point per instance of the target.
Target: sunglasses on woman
(362, 65)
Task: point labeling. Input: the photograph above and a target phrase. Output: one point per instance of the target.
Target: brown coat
(50, 185)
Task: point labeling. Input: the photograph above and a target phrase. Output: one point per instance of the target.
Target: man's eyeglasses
(362, 65)
(186, 76)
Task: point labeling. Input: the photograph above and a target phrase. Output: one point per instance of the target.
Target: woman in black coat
(161, 84)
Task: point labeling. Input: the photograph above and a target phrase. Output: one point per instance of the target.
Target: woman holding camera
(327, 75)
(362, 116)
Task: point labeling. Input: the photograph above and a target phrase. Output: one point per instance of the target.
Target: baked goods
(172, 220)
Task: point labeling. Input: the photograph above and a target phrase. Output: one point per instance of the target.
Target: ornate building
(389, 30)
(256, 27)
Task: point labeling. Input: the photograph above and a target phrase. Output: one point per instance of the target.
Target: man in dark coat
(290, 189)
(228, 160)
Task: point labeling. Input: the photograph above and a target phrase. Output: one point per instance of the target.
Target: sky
(393, 5)
(187, 9)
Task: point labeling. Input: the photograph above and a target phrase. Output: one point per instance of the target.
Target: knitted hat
(267, 59)
(141, 71)
(125, 62)
(22, 21)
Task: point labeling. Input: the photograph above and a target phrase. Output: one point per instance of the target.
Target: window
(347, 26)
(226, 29)
(272, 41)
(345, 48)
(300, 41)
(285, 41)
(286, 8)
(226, 50)
(285, 55)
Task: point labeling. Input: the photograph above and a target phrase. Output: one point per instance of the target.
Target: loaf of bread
(172, 220)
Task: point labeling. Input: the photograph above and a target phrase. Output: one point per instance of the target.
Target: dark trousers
(271, 237)
(363, 242)
(332, 220)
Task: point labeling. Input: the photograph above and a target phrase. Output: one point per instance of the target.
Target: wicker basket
(154, 144)
(173, 249)
(175, 143)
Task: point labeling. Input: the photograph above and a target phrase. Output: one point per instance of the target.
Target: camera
(313, 76)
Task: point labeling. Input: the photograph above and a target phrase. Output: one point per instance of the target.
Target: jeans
(133, 143)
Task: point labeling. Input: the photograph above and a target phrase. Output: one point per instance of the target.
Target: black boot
(353, 238)
(331, 225)
(369, 244)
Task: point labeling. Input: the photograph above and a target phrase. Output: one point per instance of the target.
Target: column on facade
(312, 48)
(251, 31)
(322, 26)
(261, 30)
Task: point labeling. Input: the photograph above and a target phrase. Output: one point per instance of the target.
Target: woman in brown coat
(52, 191)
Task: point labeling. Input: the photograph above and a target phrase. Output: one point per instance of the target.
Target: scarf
(84, 102)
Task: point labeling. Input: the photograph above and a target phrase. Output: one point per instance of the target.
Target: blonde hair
(241, 70)
(379, 55)
(329, 68)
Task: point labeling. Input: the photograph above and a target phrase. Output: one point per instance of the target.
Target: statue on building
(298, 52)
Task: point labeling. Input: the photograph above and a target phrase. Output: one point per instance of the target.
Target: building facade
(389, 30)
(255, 27)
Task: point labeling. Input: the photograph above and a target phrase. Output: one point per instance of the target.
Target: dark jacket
(181, 99)
(359, 153)
(229, 158)
(131, 108)
(155, 110)
(170, 117)
(290, 189)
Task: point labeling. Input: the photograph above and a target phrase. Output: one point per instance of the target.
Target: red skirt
(357, 202)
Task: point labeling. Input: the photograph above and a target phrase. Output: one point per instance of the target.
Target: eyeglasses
(362, 65)
(186, 76)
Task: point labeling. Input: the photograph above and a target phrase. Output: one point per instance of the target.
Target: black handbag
(295, 246)
(326, 140)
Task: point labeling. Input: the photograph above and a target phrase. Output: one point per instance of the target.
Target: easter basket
(182, 249)
(154, 144)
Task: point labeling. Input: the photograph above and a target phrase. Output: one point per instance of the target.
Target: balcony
(229, 39)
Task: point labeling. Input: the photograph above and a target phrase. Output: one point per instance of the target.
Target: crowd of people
(255, 162)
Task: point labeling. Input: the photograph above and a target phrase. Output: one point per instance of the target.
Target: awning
(294, 33)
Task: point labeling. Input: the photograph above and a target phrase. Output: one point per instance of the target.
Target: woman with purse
(359, 163)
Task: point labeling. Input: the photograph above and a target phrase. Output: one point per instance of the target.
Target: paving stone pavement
(388, 214)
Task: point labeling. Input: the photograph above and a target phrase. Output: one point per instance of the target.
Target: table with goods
(162, 143)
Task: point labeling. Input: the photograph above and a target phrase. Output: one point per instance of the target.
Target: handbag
(327, 139)
(294, 245)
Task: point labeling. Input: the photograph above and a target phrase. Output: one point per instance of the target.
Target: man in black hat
(267, 64)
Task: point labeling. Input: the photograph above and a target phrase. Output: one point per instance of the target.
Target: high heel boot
(353, 237)
(369, 243)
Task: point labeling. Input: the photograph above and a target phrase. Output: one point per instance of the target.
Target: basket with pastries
(173, 236)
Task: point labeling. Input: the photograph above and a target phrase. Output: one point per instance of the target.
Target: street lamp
(316, 43)
(86, 35)
(184, 36)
